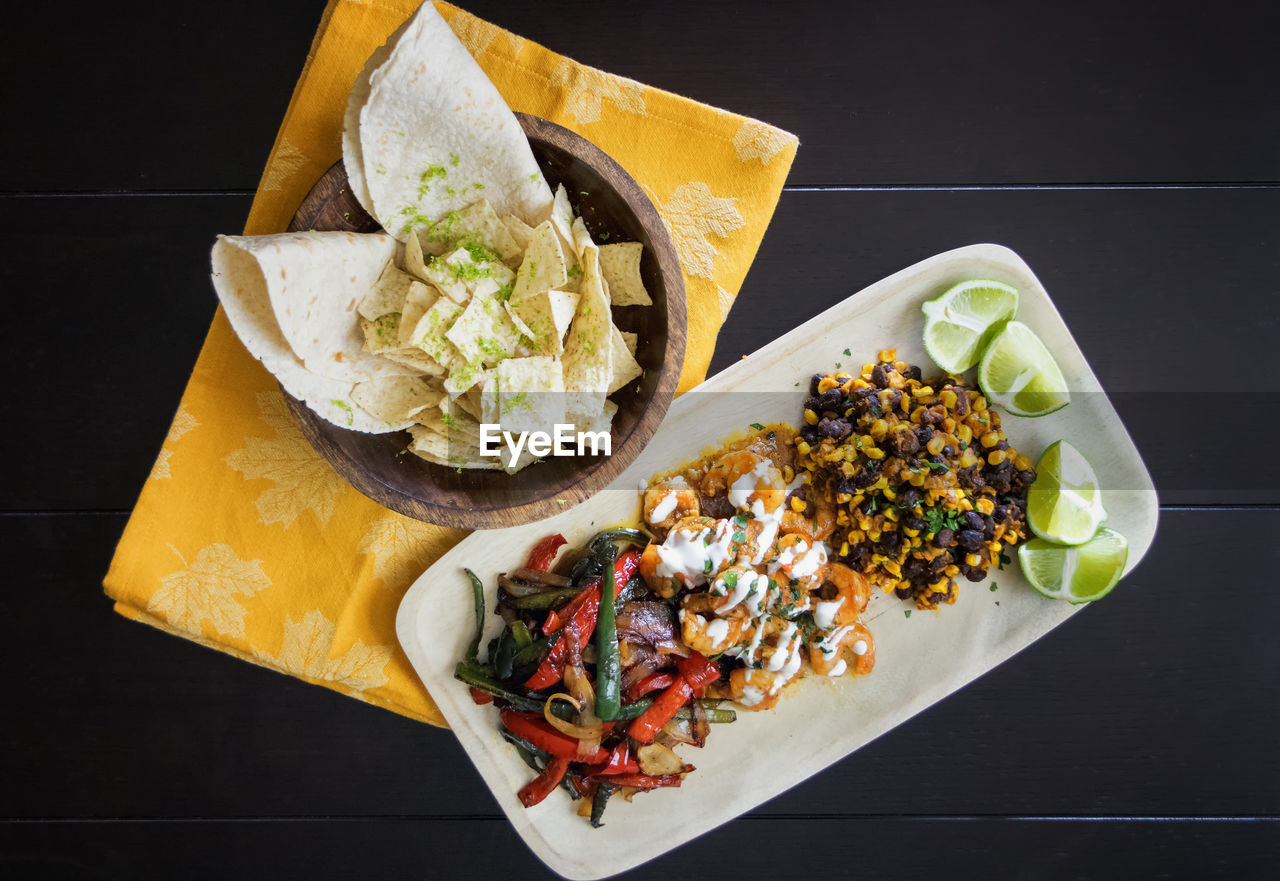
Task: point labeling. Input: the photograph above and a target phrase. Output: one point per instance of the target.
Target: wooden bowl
(615, 209)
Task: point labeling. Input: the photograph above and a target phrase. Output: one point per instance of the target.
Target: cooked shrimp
(669, 501)
(754, 689)
(842, 598)
(846, 649)
(694, 551)
(797, 559)
(819, 527)
(708, 635)
(747, 479)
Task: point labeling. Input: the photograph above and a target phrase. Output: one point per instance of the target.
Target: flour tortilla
(434, 134)
(242, 289)
(314, 282)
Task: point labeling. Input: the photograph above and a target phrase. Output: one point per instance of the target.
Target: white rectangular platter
(819, 721)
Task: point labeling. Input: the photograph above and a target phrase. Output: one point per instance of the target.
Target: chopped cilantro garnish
(994, 586)
(757, 426)
(847, 352)
(906, 613)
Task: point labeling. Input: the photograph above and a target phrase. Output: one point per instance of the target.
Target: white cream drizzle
(824, 613)
(666, 505)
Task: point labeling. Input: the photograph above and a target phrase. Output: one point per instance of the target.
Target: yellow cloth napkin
(243, 538)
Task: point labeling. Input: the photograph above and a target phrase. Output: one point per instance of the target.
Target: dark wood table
(1129, 151)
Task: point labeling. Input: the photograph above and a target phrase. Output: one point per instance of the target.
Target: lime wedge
(1078, 574)
(959, 324)
(1064, 504)
(1018, 373)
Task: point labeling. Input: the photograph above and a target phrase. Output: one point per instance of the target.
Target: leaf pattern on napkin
(183, 422)
(477, 34)
(586, 89)
(307, 650)
(693, 214)
(287, 161)
(303, 480)
(403, 548)
(755, 140)
(205, 590)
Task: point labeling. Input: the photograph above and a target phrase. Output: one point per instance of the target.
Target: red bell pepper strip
(544, 552)
(481, 697)
(540, 787)
(652, 682)
(646, 781)
(698, 670)
(620, 762)
(582, 612)
(535, 729)
(646, 727)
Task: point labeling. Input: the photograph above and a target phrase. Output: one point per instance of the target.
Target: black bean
(923, 433)
(880, 376)
(913, 372)
(973, 573)
(944, 538)
(1002, 445)
(865, 478)
(914, 523)
(973, 520)
(969, 539)
(948, 450)
(846, 486)
(902, 592)
(809, 434)
(889, 541)
(909, 498)
(813, 383)
(836, 429)
(1028, 477)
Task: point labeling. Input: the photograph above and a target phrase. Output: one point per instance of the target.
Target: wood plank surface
(1120, 712)
(930, 92)
(1197, 265)
(973, 849)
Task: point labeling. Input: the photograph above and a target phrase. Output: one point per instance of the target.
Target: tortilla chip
(414, 260)
(395, 399)
(530, 394)
(625, 367)
(620, 266)
(382, 335)
(484, 333)
(631, 340)
(477, 225)
(435, 447)
(387, 295)
(411, 356)
(588, 350)
(417, 302)
(520, 231)
(543, 268)
(602, 421)
(562, 219)
(547, 316)
(430, 334)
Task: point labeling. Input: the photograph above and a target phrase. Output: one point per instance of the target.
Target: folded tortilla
(432, 135)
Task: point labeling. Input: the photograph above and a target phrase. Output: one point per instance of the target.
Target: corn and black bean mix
(925, 484)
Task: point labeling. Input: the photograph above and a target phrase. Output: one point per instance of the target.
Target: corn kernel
(803, 448)
(856, 535)
(891, 514)
(952, 571)
(973, 559)
(826, 384)
(873, 453)
(924, 391)
(798, 505)
(859, 383)
(935, 444)
(878, 429)
(917, 414)
(788, 473)
(990, 439)
(842, 518)
(844, 549)
(880, 484)
(948, 398)
(1021, 462)
(857, 500)
(984, 506)
(979, 403)
(896, 381)
(873, 535)
(917, 479)
(887, 356)
(889, 493)
(866, 370)
(964, 434)
(893, 568)
(843, 498)
(910, 532)
(995, 457)
(810, 417)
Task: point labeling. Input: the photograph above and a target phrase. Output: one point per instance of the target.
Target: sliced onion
(537, 576)
(581, 732)
(657, 760)
(584, 694)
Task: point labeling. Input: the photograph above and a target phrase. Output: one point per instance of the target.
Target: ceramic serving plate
(819, 720)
